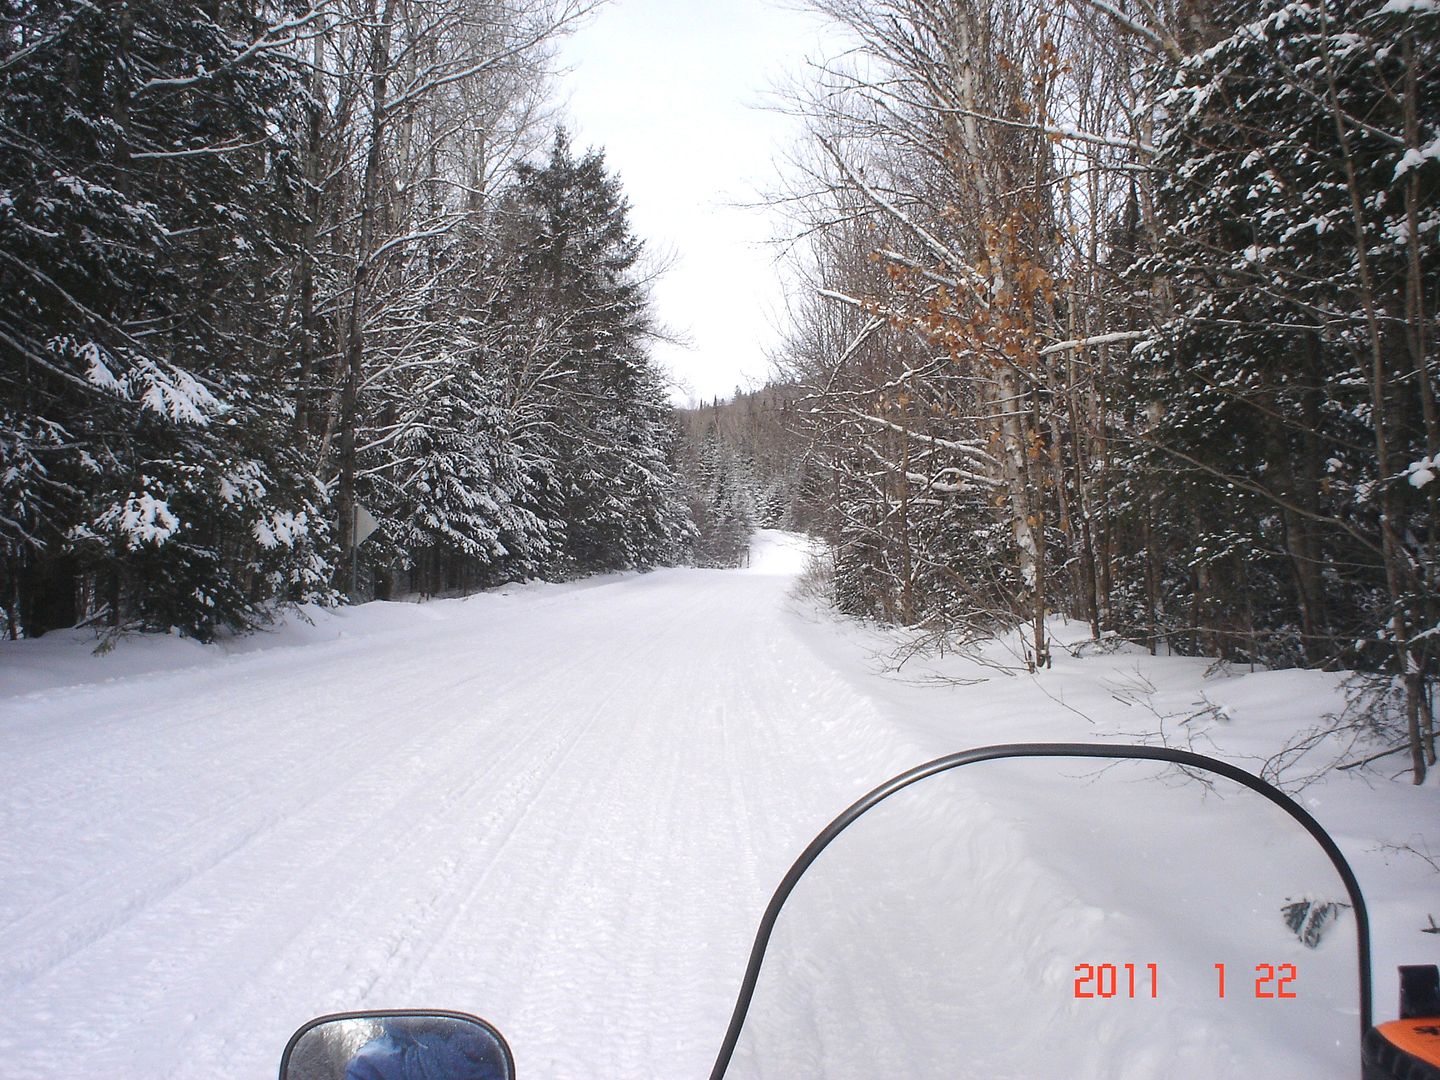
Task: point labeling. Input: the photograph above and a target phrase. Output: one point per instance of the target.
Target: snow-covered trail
(561, 811)
(564, 808)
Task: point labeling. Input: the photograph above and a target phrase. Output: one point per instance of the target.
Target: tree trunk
(355, 315)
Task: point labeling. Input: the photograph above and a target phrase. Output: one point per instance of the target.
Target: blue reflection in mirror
(410, 1045)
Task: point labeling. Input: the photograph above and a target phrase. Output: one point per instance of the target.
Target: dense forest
(310, 301)
(1117, 310)
(744, 468)
(1126, 311)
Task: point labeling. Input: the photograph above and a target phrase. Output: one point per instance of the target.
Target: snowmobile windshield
(1060, 917)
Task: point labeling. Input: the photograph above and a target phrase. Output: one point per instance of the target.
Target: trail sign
(365, 524)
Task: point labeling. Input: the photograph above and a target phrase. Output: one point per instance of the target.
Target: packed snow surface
(564, 808)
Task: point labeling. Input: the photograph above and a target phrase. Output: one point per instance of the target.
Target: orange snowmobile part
(1418, 1038)
(1410, 1048)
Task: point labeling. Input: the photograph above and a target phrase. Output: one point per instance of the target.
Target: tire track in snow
(554, 846)
(78, 936)
(563, 1029)
(59, 925)
(354, 987)
(356, 967)
(483, 833)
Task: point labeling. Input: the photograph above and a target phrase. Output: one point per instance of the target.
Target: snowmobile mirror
(403, 1045)
(1079, 914)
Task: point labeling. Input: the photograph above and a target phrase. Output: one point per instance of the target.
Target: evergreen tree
(453, 492)
(145, 186)
(606, 427)
(722, 502)
(1300, 242)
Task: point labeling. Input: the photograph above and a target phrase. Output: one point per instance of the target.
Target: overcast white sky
(670, 89)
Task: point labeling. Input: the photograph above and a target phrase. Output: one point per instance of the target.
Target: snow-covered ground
(564, 808)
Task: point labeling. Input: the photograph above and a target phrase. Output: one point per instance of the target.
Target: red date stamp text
(1270, 981)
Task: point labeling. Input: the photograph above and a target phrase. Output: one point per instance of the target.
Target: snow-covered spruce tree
(740, 461)
(722, 502)
(451, 486)
(419, 111)
(145, 181)
(1295, 382)
(574, 287)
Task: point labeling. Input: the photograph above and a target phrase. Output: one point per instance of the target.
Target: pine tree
(145, 187)
(606, 424)
(1300, 241)
(722, 502)
(452, 490)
